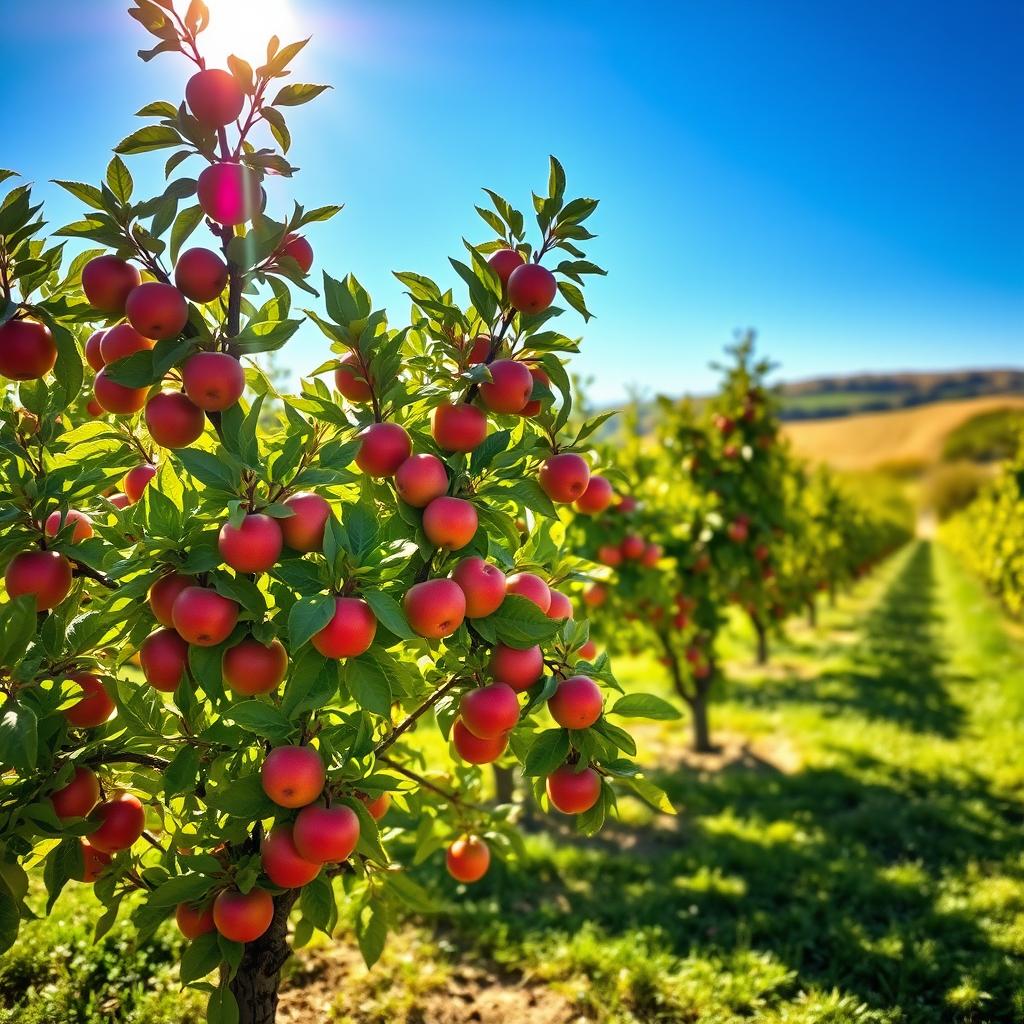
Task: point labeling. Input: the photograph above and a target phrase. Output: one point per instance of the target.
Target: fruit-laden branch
(433, 787)
(405, 725)
(126, 757)
(84, 570)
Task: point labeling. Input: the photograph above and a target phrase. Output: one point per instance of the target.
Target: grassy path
(858, 857)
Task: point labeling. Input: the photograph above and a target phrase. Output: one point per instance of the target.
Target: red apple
(531, 288)
(482, 584)
(137, 480)
(304, 531)
(122, 341)
(652, 554)
(520, 669)
(510, 387)
(300, 250)
(626, 505)
(633, 546)
(27, 350)
(94, 708)
(293, 776)
(78, 797)
(119, 500)
(253, 546)
(534, 406)
(435, 608)
(229, 193)
(488, 712)
(200, 274)
(94, 862)
(164, 659)
(350, 631)
(530, 586)
(560, 607)
(595, 595)
(450, 523)
(107, 281)
(164, 592)
(46, 575)
(326, 834)
(577, 703)
(421, 479)
(468, 859)
(243, 917)
(173, 421)
(458, 428)
(202, 617)
(193, 921)
(117, 398)
(474, 750)
(608, 554)
(481, 349)
(385, 446)
(596, 498)
(121, 822)
(282, 862)
(571, 791)
(81, 523)
(738, 531)
(213, 380)
(251, 667)
(214, 97)
(588, 652)
(157, 310)
(352, 380)
(93, 408)
(564, 477)
(377, 806)
(504, 262)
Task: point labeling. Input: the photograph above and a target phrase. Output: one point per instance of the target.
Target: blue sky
(846, 178)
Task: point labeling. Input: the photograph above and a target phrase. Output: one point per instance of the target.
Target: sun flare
(243, 27)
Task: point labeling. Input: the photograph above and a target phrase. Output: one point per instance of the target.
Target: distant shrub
(951, 486)
(988, 437)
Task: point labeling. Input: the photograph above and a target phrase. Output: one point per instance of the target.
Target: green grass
(861, 861)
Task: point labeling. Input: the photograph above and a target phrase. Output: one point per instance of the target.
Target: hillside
(905, 436)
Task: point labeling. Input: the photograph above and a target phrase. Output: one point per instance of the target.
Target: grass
(858, 860)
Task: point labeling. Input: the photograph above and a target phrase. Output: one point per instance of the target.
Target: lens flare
(242, 27)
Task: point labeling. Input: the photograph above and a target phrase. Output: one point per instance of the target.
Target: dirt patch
(733, 751)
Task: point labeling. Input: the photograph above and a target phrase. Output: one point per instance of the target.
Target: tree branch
(405, 725)
(427, 784)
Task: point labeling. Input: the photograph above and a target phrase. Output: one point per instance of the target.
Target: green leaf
(651, 794)
(307, 617)
(10, 919)
(145, 140)
(181, 774)
(369, 684)
(298, 93)
(201, 957)
(346, 301)
(184, 224)
(222, 1007)
(645, 705)
(63, 864)
(574, 296)
(181, 889)
(371, 931)
(19, 735)
(120, 180)
(389, 614)
(243, 798)
(520, 623)
(262, 719)
(17, 627)
(548, 752)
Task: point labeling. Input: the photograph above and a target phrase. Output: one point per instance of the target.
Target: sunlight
(242, 27)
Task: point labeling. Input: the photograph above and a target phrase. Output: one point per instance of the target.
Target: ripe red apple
(27, 350)
(119, 500)
(458, 428)
(157, 310)
(293, 776)
(243, 917)
(520, 669)
(588, 652)
(282, 862)
(474, 750)
(81, 523)
(213, 380)
(596, 498)
(253, 546)
(510, 387)
(202, 617)
(468, 859)
(608, 554)
(571, 791)
(93, 408)
(481, 349)
(421, 479)
(450, 523)
(122, 820)
(530, 586)
(504, 262)
(435, 608)
(304, 531)
(136, 480)
(94, 862)
(229, 193)
(173, 421)
(164, 592)
(738, 531)
(251, 667)
(482, 584)
(560, 607)
(564, 477)
(78, 797)
(385, 446)
(633, 546)
(724, 424)
(626, 505)
(378, 806)
(488, 712)
(577, 703)
(531, 288)
(326, 834)
(534, 406)
(121, 341)
(46, 575)
(107, 282)
(350, 631)
(352, 380)
(300, 250)
(214, 97)
(200, 274)
(651, 556)
(117, 398)
(193, 921)
(761, 552)
(595, 595)
(164, 659)
(94, 708)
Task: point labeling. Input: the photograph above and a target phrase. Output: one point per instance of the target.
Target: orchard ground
(853, 854)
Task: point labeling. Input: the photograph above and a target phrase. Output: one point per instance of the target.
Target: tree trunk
(762, 641)
(832, 596)
(259, 974)
(701, 727)
(504, 784)
(812, 613)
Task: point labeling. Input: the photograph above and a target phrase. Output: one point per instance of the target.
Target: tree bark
(504, 784)
(255, 986)
(762, 641)
(701, 727)
(812, 613)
